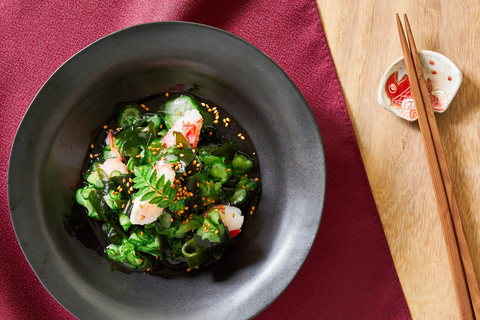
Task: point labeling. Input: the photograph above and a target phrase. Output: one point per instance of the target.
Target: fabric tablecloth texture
(349, 273)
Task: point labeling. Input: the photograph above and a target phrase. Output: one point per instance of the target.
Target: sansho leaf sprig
(155, 189)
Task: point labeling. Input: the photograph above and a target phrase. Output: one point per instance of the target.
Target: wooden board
(363, 39)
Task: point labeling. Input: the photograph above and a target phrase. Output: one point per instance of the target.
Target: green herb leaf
(160, 183)
(148, 196)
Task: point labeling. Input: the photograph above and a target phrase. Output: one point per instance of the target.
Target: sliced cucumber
(128, 116)
(176, 108)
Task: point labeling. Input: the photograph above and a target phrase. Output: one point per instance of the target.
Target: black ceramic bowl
(135, 62)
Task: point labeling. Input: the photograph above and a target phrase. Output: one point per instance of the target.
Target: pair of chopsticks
(464, 279)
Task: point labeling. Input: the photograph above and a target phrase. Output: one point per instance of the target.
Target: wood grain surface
(363, 39)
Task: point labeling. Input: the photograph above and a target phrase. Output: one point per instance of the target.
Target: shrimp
(144, 212)
(231, 217)
(115, 164)
(189, 125)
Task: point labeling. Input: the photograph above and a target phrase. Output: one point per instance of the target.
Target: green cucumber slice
(128, 116)
(175, 109)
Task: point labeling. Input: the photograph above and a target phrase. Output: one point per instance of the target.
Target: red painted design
(397, 91)
(431, 62)
(434, 72)
(401, 97)
(449, 78)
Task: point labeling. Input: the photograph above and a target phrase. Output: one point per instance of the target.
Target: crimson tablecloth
(349, 273)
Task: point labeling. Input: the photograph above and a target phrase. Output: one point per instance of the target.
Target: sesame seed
(242, 137)
(145, 130)
(166, 94)
(226, 124)
(142, 217)
(141, 207)
(233, 215)
(105, 127)
(182, 155)
(130, 179)
(131, 188)
(162, 158)
(154, 152)
(91, 156)
(179, 112)
(148, 269)
(128, 184)
(244, 187)
(228, 170)
(171, 219)
(239, 134)
(142, 105)
(92, 146)
(211, 133)
(188, 269)
(193, 150)
(118, 129)
(138, 156)
(123, 206)
(215, 121)
(216, 231)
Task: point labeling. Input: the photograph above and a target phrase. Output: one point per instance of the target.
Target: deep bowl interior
(151, 58)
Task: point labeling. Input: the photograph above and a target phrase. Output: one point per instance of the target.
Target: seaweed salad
(165, 186)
